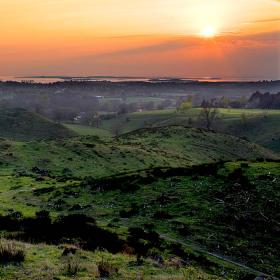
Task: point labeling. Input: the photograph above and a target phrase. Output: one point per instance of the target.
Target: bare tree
(116, 128)
(209, 113)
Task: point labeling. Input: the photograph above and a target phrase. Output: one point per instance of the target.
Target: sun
(208, 32)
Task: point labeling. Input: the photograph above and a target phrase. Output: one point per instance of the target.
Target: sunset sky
(186, 38)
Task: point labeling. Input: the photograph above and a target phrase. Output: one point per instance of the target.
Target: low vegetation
(11, 251)
(160, 202)
(257, 125)
(92, 156)
(19, 124)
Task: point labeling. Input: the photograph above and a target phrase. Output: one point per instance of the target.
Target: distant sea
(53, 79)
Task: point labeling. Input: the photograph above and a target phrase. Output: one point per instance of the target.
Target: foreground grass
(216, 213)
(47, 262)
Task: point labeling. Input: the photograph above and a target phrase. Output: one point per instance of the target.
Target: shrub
(244, 165)
(72, 265)
(162, 215)
(69, 250)
(132, 211)
(11, 251)
(106, 269)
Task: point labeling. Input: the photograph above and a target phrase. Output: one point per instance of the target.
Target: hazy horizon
(115, 78)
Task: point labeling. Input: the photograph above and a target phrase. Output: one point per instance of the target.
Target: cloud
(265, 37)
(161, 47)
(267, 20)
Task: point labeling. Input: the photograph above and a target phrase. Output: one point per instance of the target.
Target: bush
(72, 265)
(162, 215)
(106, 269)
(11, 251)
(132, 211)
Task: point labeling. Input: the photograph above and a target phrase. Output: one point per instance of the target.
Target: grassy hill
(48, 262)
(227, 211)
(19, 124)
(257, 125)
(85, 130)
(169, 185)
(138, 120)
(173, 146)
(264, 130)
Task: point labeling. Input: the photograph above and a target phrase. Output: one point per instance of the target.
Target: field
(92, 156)
(160, 202)
(47, 262)
(85, 130)
(259, 126)
(192, 210)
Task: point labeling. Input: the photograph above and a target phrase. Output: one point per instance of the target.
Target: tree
(209, 113)
(116, 128)
(186, 104)
(224, 102)
(96, 119)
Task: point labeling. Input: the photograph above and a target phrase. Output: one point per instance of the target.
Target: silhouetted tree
(209, 113)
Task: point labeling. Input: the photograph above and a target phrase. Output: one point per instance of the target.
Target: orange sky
(146, 38)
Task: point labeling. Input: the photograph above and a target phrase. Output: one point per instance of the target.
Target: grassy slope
(205, 211)
(85, 130)
(19, 124)
(155, 117)
(262, 126)
(90, 156)
(46, 262)
(264, 130)
(217, 213)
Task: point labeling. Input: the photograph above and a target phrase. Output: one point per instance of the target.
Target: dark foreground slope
(232, 211)
(205, 216)
(19, 124)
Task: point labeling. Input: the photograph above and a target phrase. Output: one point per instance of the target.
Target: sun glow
(208, 32)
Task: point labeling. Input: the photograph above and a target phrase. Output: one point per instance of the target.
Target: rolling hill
(264, 130)
(257, 125)
(19, 124)
(173, 146)
(172, 180)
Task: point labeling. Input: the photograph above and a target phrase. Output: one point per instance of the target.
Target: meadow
(257, 125)
(77, 202)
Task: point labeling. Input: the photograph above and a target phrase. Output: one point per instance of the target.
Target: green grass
(85, 130)
(264, 130)
(259, 126)
(46, 262)
(206, 212)
(19, 124)
(203, 210)
(155, 117)
(134, 121)
(92, 156)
